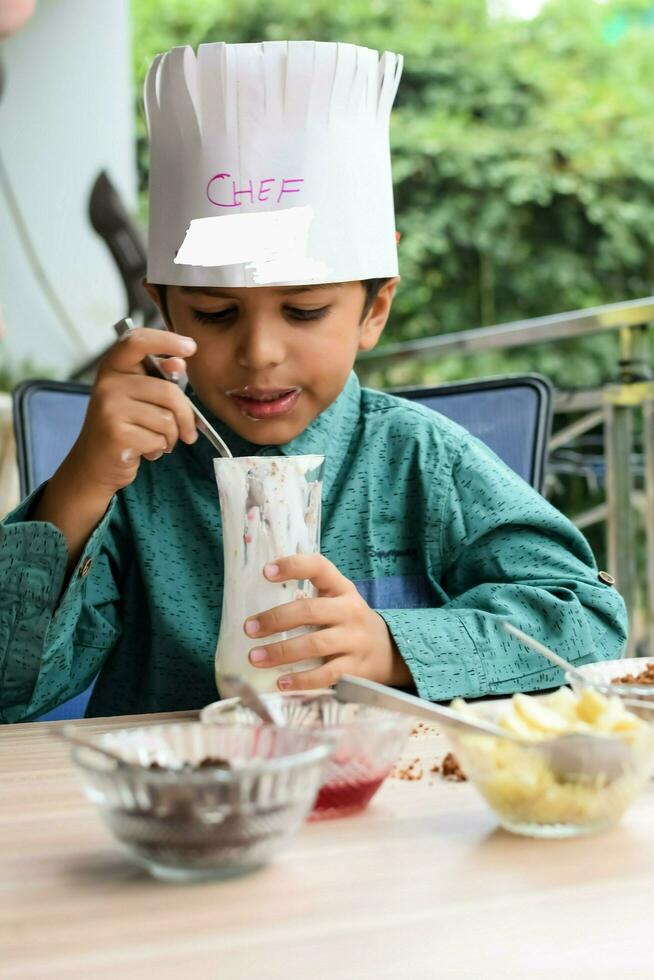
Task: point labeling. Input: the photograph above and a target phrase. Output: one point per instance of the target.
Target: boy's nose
(260, 345)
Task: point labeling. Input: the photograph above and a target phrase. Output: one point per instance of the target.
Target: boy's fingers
(127, 353)
(325, 676)
(141, 442)
(323, 643)
(316, 568)
(168, 397)
(156, 419)
(173, 365)
(290, 615)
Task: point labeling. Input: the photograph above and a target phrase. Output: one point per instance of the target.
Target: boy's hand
(130, 415)
(352, 638)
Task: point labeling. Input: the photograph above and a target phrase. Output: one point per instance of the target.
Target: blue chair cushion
(511, 416)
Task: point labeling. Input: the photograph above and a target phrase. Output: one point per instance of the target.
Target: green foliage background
(523, 156)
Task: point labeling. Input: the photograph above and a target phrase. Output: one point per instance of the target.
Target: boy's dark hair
(371, 286)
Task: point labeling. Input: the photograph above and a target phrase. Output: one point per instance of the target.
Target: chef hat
(270, 164)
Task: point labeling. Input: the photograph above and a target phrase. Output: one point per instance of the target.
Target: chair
(48, 416)
(512, 415)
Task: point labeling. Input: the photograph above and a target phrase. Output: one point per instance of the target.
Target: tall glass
(270, 507)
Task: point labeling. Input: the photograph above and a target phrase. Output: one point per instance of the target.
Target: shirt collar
(328, 435)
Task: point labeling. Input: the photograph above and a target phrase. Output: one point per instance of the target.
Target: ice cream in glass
(270, 508)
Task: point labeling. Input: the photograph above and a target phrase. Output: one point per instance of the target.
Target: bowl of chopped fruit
(561, 765)
(190, 801)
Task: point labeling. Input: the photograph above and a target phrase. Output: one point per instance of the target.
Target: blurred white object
(61, 125)
(520, 9)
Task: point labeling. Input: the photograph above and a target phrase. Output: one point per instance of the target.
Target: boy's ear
(371, 329)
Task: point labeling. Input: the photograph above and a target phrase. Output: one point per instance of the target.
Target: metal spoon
(154, 369)
(236, 687)
(544, 651)
(368, 692)
(577, 757)
(69, 734)
(607, 689)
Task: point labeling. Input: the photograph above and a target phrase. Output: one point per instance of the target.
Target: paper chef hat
(270, 164)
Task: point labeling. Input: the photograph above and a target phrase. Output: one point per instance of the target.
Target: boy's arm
(54, 639)
(129, 417)
(493, 550)
(506, 554)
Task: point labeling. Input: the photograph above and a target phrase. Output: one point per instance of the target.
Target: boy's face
(270, 359)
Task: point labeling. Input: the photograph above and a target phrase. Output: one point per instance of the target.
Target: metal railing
(614, 405)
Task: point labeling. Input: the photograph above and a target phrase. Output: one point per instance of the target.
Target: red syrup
(342, 799)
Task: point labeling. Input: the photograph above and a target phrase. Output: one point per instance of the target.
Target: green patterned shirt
(437, 534)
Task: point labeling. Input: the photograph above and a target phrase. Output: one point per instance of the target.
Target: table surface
(420, 885)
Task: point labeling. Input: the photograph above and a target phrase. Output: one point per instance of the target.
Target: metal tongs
(154, 369)
(577, 757)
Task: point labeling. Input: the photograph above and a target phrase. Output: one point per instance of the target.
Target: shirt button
(606, 578)
(84, 567)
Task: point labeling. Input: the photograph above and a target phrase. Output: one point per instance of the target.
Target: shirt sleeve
(53, 642)
(505, 554)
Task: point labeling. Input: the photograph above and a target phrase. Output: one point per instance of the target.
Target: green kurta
(438, 535)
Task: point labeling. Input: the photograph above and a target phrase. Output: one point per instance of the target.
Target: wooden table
(421, 885)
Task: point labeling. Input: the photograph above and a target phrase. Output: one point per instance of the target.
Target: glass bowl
(182, 817)
(601, 675)
(518, 783)
(367, 742)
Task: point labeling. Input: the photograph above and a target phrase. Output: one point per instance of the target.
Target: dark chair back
(48, 416)
(512, 415)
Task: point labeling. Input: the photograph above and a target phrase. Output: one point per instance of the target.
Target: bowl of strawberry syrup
(367, 742)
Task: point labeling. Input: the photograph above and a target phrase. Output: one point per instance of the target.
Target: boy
(272, 255)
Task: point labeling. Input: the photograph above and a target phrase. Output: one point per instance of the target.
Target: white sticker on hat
(273, 244)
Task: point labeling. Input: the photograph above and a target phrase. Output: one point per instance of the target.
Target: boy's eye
(223, 316)
(300, 314)
(214, 316)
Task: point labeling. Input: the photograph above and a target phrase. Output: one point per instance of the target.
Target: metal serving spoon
(379, 696)
(69, 734)
(154, 369)
(607, 689)
(577, 757)
(554, 658)
(236, 687)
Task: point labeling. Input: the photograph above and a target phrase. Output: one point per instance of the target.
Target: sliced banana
(538, 716)
(560, 713)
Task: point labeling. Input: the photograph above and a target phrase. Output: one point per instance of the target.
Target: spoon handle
(210, 433)
(68, 734)
(378, 696)
(544, 651)
(232, 686)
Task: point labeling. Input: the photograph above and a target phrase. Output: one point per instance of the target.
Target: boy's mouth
(258, 403)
